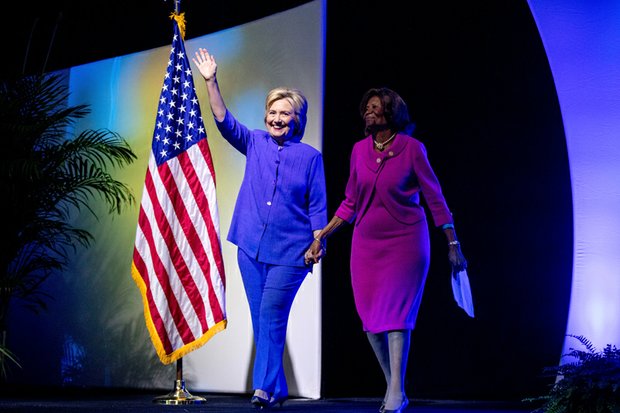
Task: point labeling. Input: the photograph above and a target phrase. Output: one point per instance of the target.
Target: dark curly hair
(394, 108)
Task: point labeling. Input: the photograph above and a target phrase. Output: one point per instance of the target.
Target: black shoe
(259, 402)
(279, 401)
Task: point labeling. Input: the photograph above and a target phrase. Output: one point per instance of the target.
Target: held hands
(206, 64)
(315, 252)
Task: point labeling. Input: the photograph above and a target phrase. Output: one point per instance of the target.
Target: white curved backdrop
(582, 41)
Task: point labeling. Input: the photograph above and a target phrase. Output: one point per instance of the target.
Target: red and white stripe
(177, 256)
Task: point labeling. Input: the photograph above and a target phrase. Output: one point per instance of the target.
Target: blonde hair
(297, 100)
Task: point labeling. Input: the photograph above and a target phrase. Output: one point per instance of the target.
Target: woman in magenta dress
(390, 249)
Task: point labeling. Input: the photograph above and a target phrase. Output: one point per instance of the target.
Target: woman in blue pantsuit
(280, 209)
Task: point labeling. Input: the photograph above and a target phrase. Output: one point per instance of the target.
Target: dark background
(478, 85)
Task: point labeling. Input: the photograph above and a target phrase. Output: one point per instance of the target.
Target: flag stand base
(179, 395)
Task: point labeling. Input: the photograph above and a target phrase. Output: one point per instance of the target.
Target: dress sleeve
(431, 189)
(237, 134)
(348, 207)
(317, 208)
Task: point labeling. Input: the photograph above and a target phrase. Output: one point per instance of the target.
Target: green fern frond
(591, 383)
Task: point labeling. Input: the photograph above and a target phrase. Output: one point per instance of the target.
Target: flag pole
(179, 394)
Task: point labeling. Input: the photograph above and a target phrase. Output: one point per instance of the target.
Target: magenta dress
(390, 250)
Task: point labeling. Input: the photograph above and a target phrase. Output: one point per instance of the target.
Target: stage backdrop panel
(582, 40)
(93, 333)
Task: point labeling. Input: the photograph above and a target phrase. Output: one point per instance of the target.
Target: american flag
(177, 259)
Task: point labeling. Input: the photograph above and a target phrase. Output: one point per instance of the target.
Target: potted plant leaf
(46, 175)
(588, 383)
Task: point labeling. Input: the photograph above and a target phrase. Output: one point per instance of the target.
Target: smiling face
(374, 116)
(280, 120)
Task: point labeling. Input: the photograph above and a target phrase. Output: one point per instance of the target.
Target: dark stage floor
(93, 402)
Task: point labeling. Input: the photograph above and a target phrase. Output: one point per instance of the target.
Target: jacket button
(378, 160)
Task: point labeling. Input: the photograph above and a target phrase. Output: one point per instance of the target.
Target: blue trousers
(270, 290)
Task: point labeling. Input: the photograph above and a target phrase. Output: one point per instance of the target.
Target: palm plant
(46, 176)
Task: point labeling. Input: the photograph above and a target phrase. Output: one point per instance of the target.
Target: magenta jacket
(398, 175)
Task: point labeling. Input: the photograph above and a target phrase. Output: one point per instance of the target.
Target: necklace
(381, 145)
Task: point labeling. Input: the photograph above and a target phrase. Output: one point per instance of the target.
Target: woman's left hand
(456, 257)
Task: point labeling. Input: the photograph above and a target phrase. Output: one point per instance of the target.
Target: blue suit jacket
(282, 198)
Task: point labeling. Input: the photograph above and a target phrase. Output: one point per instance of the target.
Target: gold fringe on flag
(180, 18)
